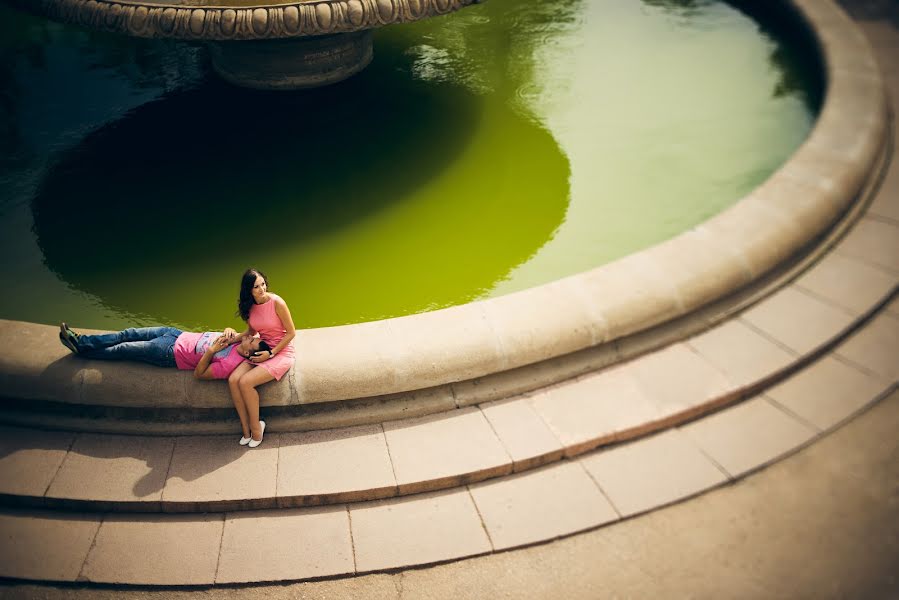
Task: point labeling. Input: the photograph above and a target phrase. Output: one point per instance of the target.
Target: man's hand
(220, 343)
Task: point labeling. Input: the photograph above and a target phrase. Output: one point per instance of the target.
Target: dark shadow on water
(192, 169)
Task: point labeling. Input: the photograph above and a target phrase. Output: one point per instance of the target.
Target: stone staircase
(706, 405)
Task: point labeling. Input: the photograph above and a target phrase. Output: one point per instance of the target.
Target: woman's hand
(261, 356)
(230, 334)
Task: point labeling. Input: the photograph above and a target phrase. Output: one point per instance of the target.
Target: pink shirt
(190, 348)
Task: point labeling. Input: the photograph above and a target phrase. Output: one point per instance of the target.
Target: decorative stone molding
(232, 23)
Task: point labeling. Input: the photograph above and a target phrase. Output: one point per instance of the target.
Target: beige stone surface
(893, 307)
(886, 203)
(763, 234)
(849, 283)
(45, 546)
(217, 469)
(344, 464)
(677, 379)
(345, 363)
(543, 322)
(875, 347)
(748, 435)
(702, 265)
(30, 459)
(513, 382)
(827, 392)
(651, 472)
(445, 449)
(156, 550)
(437, 347)
(404, 405)
(215, 394)
(114, 468)
(631, 294)
(798, 320)
(275, 545)
(132, 384)
(594, 409)
(874, 241)
(541, 504)
(416, 530)
(742, 354)
(524, 435)
(41, 368)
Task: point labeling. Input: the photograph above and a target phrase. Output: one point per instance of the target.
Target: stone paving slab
(594, 409)
(651, 472)
(848, 282)
(875, 347)
(415, 530)
(874, 241)
(799, 321)
(44, 545)
(431, 452)
(278, 545)
(133, 468)
(540, 505)
(827, 392)
(893, 307)
(342, 465)
(30, 459)
(523, 433)
(216, 469)
(156, 550)
(741, 353)
(747, 436)
(678, 380)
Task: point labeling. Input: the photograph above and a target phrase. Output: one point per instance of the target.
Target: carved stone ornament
(226, 23)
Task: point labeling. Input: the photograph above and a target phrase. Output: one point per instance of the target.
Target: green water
(495, 149)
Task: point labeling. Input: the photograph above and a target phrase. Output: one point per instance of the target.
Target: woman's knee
(246, 384)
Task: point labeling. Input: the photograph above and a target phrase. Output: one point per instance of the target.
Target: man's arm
(204, 367)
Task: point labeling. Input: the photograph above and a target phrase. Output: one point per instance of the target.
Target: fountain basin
(511, 344)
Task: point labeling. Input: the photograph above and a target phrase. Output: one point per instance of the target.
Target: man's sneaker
(68, 338)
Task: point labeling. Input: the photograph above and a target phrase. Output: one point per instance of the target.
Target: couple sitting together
(263, 352)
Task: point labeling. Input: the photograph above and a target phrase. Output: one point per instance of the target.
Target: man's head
(250, 345)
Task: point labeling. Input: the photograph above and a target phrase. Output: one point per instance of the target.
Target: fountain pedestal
(292, 64)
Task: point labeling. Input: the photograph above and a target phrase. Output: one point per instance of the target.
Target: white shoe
(253, 443)
(244, 441)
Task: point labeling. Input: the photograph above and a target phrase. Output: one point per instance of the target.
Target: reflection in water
(501, 147)
(796, 64)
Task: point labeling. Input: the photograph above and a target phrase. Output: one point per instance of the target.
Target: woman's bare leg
(247, 385)
(237, 397)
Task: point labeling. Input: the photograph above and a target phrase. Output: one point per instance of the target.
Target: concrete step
(565, 497)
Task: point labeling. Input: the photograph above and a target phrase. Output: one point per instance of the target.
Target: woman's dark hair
(245, 301)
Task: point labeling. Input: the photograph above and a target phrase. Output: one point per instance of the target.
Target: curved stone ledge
(445, 355)
(223, 22)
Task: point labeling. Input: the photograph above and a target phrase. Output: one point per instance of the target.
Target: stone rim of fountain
(501, 346)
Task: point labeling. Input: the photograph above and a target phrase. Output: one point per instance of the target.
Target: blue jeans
(154, 345)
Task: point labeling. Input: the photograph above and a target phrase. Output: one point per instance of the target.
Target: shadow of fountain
(202, 178)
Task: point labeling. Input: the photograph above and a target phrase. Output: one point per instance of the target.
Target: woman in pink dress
(266, 314)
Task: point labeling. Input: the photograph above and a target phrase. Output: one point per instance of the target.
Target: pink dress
(266, 321)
